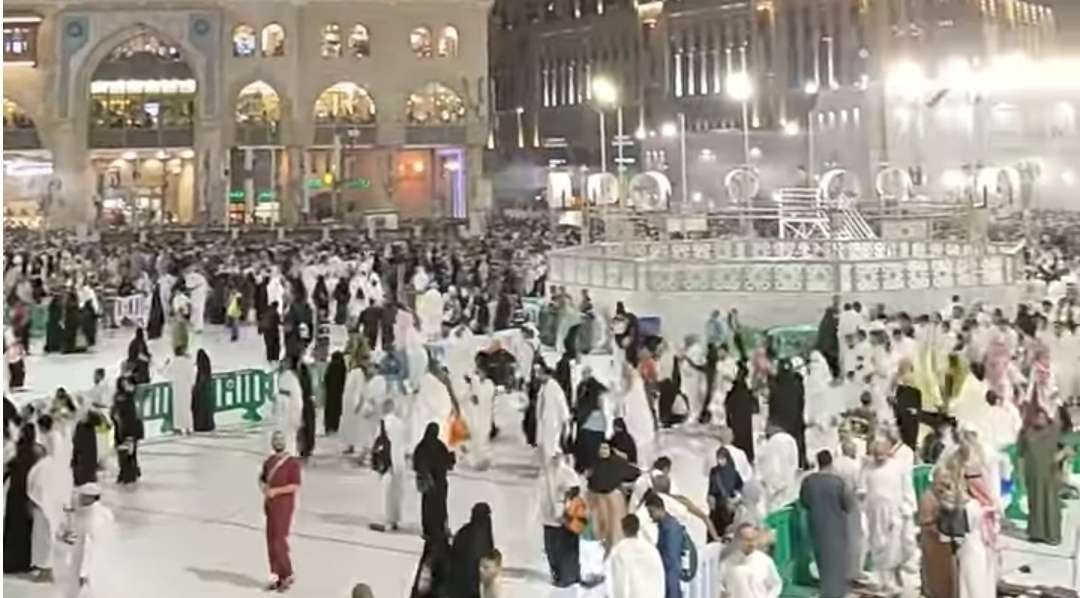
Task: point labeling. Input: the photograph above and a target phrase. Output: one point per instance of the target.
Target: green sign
(266, 196)
(237, 196)
(327, 182)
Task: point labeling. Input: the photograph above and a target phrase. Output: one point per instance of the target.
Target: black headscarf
(622, 441)
(724, 480)
(431, 455)
(137, 347)
(471, 543)
(202, 367)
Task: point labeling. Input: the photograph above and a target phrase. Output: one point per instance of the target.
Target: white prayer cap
(88, 489)
(875, 326)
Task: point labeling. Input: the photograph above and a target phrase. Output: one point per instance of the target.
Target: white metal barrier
(132, 308)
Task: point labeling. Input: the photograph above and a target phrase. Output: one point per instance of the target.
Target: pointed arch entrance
(142, 114)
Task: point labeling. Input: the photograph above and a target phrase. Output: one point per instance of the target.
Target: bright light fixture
(639, 134)
(669, 129)
(811, 88)
(187, 154)
(907, 79)
(791, 128)
(162, 155)
(604, 90)
(129, 155)
(739, 87)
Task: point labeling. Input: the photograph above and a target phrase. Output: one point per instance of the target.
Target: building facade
(856, 84)
(267, 110)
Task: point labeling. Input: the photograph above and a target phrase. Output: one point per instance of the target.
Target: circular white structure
(839, 185)
(742, 184)
(602, 189)
(893, 184)
(649, 191)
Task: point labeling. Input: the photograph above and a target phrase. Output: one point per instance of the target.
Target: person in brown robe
(280, 481)
(938, 560)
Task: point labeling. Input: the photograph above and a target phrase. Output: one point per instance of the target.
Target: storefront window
(258, 104)
(448, 42)
(20, 39)
(434, 104)
(345, 103)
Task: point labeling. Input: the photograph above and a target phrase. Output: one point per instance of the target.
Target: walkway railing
(241, 390)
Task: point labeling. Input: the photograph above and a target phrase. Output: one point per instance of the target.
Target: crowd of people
(442, 334)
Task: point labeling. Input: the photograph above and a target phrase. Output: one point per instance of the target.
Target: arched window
(359, 42)
(273, 40)
(331, 40)
(448, 41)
(434, 103)
(345, 103)
(258, 104)
(420, 40)
(243, 41)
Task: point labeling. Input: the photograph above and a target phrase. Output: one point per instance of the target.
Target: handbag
(457, 431)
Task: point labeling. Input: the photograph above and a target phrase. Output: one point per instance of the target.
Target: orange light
(418, 167)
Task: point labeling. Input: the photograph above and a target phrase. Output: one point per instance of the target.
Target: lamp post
(605, 95)
(520, 129)
(741, 89)
(811, 90)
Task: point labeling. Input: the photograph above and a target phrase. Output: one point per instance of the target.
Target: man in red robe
(280, 480)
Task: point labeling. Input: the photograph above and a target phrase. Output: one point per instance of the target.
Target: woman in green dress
(1039, 447)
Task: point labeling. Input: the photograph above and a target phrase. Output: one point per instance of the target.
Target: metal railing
(21, 139)
(785, 266)
(104, 137)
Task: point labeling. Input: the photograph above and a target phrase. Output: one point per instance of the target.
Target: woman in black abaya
(433, 572)
(341, 301)
(18, 521)
(202, 394)
(72, 324)
(787, 400)
(84, 453)
(334, 388)
(740, 407)
(471, 543)
(138, 358)
(54, 326)
(155, 324)
(432, 461)
(127, 431)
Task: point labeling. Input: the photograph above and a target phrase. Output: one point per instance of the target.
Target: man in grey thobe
(828, 501)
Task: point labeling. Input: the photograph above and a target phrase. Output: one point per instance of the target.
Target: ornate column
(210, 197)
(74, 184)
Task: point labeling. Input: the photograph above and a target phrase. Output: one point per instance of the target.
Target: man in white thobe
(79, 563)
(431, 404)
(356, 413)
(179, 370)
(479, 412)
(47, 490)
(633, 408)
(749, 573)
(694, 382)
(429, 308)
(198, 287)
(635, 568)
(289, 408)
(553, 414)
(738, 456)
(778, 467)
(888, 498)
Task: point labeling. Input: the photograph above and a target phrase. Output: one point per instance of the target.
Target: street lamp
(811, 91)
(741, 89)
(606, 95)
(670, 129)
(520, 129)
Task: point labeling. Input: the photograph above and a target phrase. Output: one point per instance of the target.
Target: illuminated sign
(237, 196)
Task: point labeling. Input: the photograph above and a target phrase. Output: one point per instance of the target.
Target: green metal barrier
(1017, 508)
(39, 319)
(245, 390)
(792, 551)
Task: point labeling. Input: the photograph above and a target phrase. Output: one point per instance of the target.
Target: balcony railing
(435, 135)
(350, 134)
(101, 137)
(21, 139)
(258, 134)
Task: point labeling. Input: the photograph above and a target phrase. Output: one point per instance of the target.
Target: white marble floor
(194, 524)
